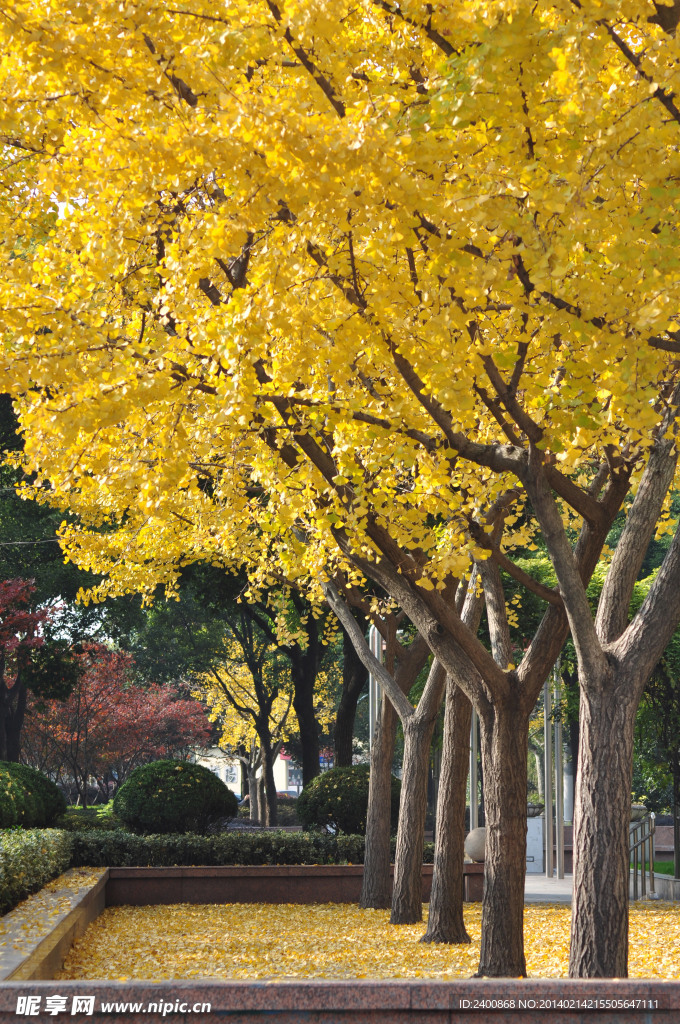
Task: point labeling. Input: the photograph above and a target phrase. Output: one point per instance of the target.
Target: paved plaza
(541, 889)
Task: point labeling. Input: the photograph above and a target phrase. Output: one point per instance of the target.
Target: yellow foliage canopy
(334, 254)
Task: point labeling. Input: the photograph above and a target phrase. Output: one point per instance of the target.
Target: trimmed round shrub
(172, 796)
(337, 800)
(27, 797)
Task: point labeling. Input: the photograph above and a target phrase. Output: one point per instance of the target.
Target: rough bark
(407, 895)
(504, 738)
(376, 888)
(354, 679)
(599, 934)
(445, 921)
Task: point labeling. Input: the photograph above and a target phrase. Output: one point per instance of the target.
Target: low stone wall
(322, 883)
(348, 1002)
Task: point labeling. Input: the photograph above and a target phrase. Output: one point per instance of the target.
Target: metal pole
(474, 816)
(547, 734)
(374, 692)
(559, 779)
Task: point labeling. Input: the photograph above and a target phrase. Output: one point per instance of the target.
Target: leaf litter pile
(284, 941)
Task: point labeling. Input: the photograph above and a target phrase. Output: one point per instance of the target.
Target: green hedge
(125, 849)
(29, 858)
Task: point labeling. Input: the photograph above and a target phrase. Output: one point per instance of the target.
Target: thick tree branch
(496, 613)
(510, 403)
(590, 655)
(644, 641)
(432, 695)
(401, 703)
(508, 566)
(435, 37)
(435, 619)
(643, 515)
(321, 80)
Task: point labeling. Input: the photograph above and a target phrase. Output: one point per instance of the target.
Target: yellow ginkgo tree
(331, 288)
(250, 692)
(253, 714)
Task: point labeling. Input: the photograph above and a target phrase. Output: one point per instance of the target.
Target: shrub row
(124, 849)
(27, 797)
(28, 860)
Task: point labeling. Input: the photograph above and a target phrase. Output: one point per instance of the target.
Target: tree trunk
(504, 739)
(676, 820)
(445, 919)
(376, 885)
(538, 758)
(304, 669)
(599, 930)
(270, 809)
(15, 721)
(303, 704)
(254, 793)
(354, 679)
(407, 894)
(5, 712)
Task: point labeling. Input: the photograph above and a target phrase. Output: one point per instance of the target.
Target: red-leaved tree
(30, 662)
(108, 725)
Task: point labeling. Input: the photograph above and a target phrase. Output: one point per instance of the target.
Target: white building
(287, 777)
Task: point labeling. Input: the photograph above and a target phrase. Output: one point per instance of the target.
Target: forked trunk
(407, 894)
(504, 732)
(376, 886)
(599, 929)
(445, 919)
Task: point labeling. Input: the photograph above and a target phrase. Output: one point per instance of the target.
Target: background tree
(175, 639)
(108, 725)
(239, 702)
(31, 661)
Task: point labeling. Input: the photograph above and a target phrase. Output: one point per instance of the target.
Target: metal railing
(641, 846)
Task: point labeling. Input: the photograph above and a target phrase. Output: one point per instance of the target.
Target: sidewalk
(541, 889)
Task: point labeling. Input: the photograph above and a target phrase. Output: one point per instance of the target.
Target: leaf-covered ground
(250, 940)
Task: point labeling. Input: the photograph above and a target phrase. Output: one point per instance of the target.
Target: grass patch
(661, 867)
(280, 942)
